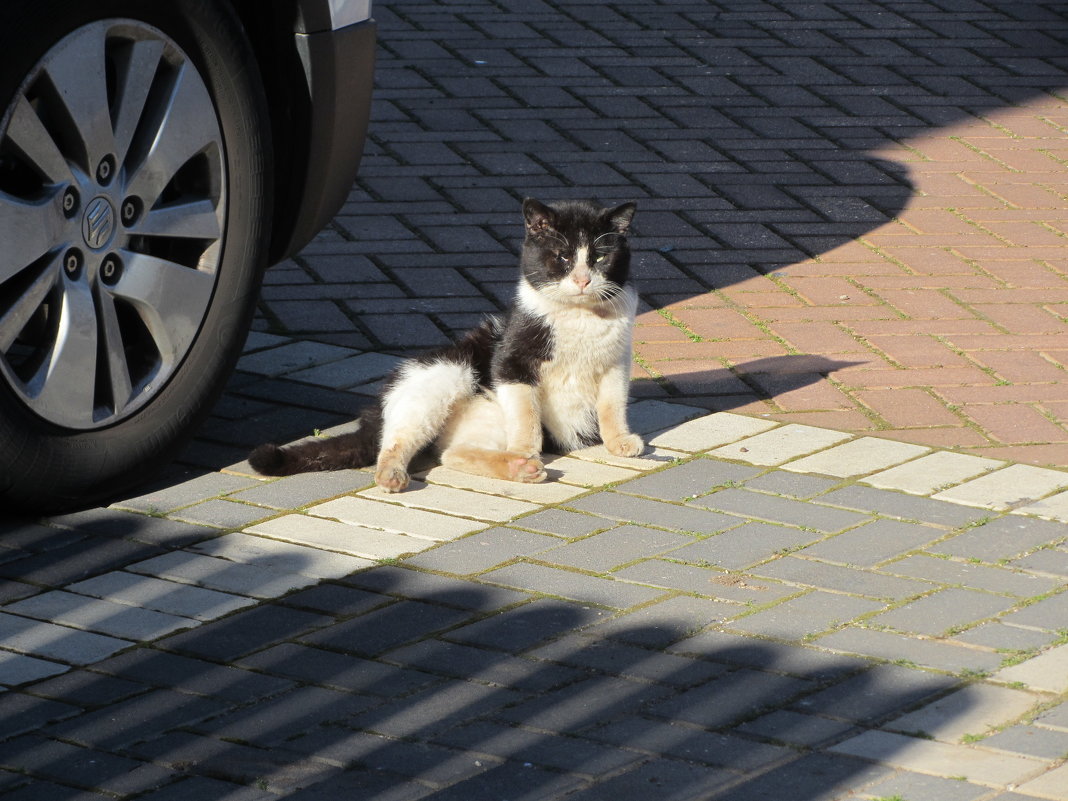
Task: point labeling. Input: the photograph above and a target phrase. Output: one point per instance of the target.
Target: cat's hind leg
(508, 465)
(415, 409)
(475, 441)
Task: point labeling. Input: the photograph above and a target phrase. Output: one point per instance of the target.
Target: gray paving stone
(472, 663)
(538, 748)
(572, 585)
(81, 766)
(350, 371)
(186, 493)
(482, 551)
(904, 507)
(562, 523)
(290, 357)
(745, 545)
(525, 626)
(387, 627)
(136, 526)
(941, 655)
(967, 574)
(1050, 613)
(628, 661)
(1031, 740)
(705, 581)
(795, 728)
(792, 485)
(1004, 538)
(25, 713)
(85, 688)
(170, 597)
(615, 506)
(293, 492)
(41, 639)
(587, 703)
(433, 710)
(220, 513)
(244, 632)
(809, 614)
(144, 716)
(728, 698)
(392, 758)
(222, 575)
(667, 779)
(875, 693)
(997, 635)
(934, 615)
(1046, 560)
(430, 587)
(335, 600)
(817, 776)
(918, 785)
(615, 547)
(279, 556)
(270, 722)
(810, 573)
(165, 670)
(104, 617)
(872, 543)
(780, 510)
(338, 671)
(664, 622)
(19, 668)
(80, 560)
(688, 480)
(202, 787)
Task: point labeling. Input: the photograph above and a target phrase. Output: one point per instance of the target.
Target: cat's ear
(621, 216)
(538, 217)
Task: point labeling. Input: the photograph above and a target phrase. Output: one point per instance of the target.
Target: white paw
(626, 445)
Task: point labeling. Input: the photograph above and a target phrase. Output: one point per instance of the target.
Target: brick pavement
(852, 214)
(848, 582)
(723, 617)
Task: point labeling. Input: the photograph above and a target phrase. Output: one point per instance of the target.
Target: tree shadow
(392, 684)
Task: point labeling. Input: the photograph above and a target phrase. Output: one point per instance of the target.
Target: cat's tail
(357, 448)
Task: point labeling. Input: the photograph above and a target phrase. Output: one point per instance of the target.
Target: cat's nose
(581, 281)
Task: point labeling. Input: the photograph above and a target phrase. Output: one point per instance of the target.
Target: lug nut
(111, 269)
(131, 211)
(72, 262)
(70, 202)
(105, 171)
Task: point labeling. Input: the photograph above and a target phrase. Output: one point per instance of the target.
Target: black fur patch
(526, 342)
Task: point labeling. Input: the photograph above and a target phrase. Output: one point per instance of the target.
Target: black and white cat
(557, 364)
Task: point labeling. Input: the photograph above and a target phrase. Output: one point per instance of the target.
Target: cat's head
(576, 252)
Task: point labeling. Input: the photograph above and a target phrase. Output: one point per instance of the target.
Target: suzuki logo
(98, 224)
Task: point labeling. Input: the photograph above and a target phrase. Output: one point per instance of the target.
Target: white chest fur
(589, 342)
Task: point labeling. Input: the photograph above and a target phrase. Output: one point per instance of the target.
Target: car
(155, 157)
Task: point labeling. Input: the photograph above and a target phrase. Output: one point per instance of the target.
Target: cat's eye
(601, 258)
(562, 259)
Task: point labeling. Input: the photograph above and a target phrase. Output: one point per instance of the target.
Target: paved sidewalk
(849, 580)
(751, 610)
(851, 214)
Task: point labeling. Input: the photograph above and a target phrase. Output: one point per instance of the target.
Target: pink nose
(581, 281)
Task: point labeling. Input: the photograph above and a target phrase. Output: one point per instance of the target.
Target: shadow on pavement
(395, 684)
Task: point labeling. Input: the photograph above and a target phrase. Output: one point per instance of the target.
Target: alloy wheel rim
(112, 210)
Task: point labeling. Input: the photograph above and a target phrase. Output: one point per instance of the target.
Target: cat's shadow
(723, 389)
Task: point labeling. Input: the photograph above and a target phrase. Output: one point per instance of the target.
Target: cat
(556, 367)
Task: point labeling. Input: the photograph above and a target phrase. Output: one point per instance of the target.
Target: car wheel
(133, 198)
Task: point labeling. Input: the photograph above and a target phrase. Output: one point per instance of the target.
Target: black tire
(48, 467)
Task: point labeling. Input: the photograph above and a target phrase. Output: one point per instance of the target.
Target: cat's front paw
(391, 479)
(625, 445)
(527, 469)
